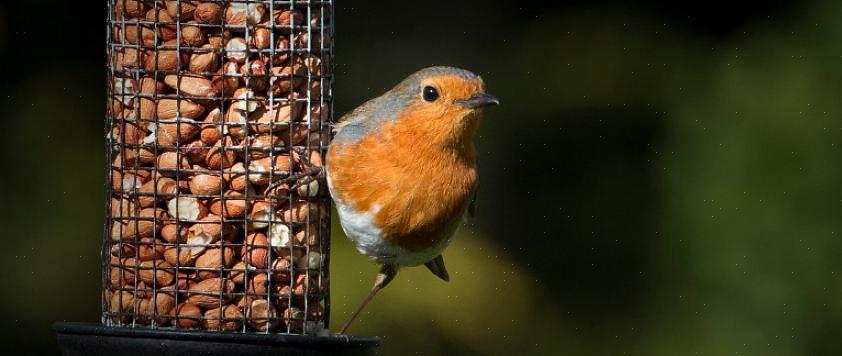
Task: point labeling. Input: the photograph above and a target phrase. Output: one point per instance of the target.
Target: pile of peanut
(218, 119)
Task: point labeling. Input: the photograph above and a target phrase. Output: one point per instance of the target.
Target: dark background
(661, 178)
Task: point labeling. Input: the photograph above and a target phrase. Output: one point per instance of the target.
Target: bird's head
(443, 100)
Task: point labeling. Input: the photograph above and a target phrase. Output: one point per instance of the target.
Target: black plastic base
(94, 339)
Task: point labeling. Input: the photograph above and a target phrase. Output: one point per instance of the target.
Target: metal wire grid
(140, 287)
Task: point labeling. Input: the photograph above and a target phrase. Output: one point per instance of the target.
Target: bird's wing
(349, 118)
(368, 116)
(364, 113)
(472, 206)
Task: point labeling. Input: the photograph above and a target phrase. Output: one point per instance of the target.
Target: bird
(401, 170)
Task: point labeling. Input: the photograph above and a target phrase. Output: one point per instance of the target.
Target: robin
(402, 170)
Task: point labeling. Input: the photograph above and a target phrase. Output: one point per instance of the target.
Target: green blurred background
(661, 179)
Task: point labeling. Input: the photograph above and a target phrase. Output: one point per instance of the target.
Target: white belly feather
(359, 227)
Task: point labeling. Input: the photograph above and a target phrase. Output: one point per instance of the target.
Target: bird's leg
(387, 273)
(311, 172)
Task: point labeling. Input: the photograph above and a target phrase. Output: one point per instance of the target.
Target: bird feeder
(216, 230)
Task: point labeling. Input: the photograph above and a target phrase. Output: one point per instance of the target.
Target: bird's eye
(430, 93)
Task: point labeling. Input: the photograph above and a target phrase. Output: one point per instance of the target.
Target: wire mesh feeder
(219, 113)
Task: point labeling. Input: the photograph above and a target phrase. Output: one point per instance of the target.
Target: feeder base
(95, 339)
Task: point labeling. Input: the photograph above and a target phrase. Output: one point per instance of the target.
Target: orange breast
(419, 186)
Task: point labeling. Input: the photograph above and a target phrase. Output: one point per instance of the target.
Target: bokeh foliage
(658, 180)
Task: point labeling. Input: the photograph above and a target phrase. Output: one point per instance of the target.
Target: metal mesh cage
(218, 116)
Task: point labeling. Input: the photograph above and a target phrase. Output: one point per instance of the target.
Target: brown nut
(158, 273)
(227, 318)
(191, 85)
(235, 177)
(172, 134)
(238, 273)
(257, 284)
(232, 205)
(192, 36)
(122, 302)
(169, 108)
(240, 14)
(123, 207)
(181, 10)
(277, 116)
(208, 13)
(301, 211)
(255, 250)
(178, 256)
(212, 226)
(166, 24)
(149, 248)
(221, 155)
(236, 122)
(116, 263)
(206, 184)
(187, 316)
(227, 79)
(299, 133)
(262, 315)
(156, 190)
(278, 166)
(146, 108)
(145, 35)
(255, 75)
(277, 195)
(127, 133)
(210, 132)
(123, 250)
(174, 233)
(124, 183)
(204, 60)
(285, 79)
(184, 281)
(195, 151)
(159, 307)
(261, 213)
(149, 221)
(280, 272)
(138, 156)
(120, 277)
(287, 18)
(280, 55)
(165, 58)
(260, 146)
(315, 158)
(209, 293)
(169, 166)
(141, 290)
(304, 285)
(129, 9)
(261, 38)
(213, 259)
(308, 235)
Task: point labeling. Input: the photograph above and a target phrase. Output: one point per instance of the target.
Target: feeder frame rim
(62, 327)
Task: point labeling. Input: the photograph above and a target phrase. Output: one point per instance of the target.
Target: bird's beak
(478, 100)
